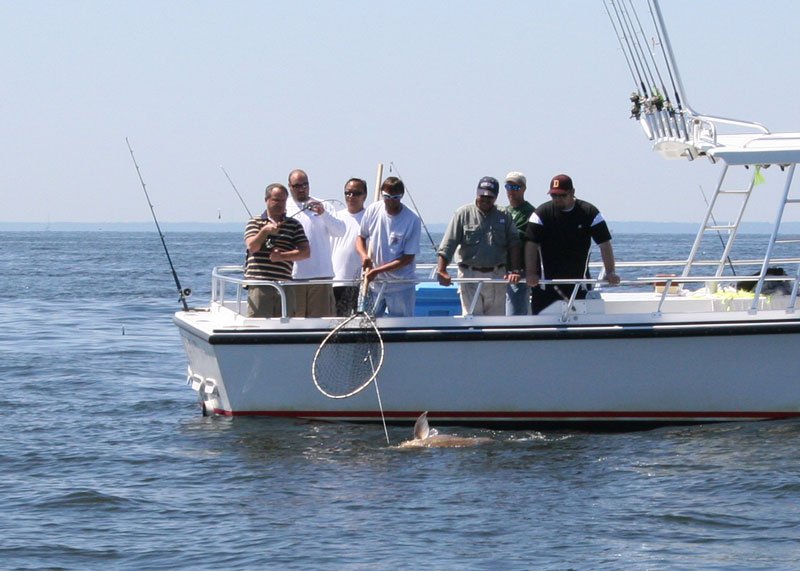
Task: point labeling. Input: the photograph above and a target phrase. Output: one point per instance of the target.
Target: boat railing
(227, 278)
(686, 134)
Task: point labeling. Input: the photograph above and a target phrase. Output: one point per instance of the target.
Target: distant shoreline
(616, 227)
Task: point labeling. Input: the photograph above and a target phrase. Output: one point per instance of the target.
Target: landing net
(349, 358)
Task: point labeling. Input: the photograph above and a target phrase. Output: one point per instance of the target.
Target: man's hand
(277, 255)
(532, 279)
(270, 228)
(316, 208)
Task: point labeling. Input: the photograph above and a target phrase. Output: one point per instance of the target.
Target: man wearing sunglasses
(481, 237)
(274, 243)
(388, 244)
(319, 224)
(346, 261)
(518, 295)
(563, 230)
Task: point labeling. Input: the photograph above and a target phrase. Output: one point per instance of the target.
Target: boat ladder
(727, 192)
(776, 237)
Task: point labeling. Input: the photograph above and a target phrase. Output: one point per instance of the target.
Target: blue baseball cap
(488, 186)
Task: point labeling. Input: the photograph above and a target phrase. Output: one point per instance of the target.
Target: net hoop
(353, 386)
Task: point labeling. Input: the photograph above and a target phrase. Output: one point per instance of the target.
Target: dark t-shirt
(520, 214)
(565, 237)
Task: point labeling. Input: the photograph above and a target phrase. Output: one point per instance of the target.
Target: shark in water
(427, 437)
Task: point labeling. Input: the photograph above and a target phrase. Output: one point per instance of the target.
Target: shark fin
(421, 428)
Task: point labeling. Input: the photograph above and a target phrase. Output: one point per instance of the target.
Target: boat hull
(631, 373)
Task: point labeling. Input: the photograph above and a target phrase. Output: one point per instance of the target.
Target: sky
(441, 92)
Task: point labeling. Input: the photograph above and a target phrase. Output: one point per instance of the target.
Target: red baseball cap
(561, 183)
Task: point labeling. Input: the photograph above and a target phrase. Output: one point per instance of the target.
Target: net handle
(365, 284)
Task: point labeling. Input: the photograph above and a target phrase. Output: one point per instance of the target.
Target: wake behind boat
(688, 347)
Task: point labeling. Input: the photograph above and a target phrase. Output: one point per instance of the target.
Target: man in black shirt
(563, 230)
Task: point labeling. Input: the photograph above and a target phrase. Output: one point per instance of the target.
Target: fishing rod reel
(636, 108)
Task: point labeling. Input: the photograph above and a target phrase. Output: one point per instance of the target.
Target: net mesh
(349, 358)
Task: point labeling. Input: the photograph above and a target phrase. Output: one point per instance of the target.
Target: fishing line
(351, 356)
(184, 293)
(408, 191)
(237, 191)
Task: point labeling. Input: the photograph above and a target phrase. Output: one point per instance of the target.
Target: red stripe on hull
(511, 415)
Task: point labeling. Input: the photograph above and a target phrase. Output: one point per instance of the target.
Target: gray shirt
(479, 239)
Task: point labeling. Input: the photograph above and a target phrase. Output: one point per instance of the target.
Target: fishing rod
(622, 47)
(433, 244)
(668, 65)
(183, 293)
(626, 36)
(667, 103)
(236, 190)
(667, 62)
(637, 47)
(308, 206)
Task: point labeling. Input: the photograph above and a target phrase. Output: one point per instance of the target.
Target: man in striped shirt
(274, 242)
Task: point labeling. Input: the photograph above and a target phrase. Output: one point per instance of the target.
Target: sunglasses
(392, 196)
(299, 185)
(354, 193)
(558, 194)
(513, 187)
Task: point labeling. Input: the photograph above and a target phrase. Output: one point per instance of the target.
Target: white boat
(660, 349)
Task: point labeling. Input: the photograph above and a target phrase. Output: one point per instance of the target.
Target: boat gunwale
(506, 332)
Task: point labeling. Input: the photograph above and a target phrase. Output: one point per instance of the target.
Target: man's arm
(336, 226)
(257, 240)
(441, 271)
(607, 253)
(515, 253)
(361, 248)
(302, 252)
(400, 262)
(532, 275)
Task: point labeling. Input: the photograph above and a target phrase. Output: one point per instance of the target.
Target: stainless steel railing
(226, 287)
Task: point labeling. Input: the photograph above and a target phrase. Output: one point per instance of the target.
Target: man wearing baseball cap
(563, 230)
(481, 237)
(518, 295)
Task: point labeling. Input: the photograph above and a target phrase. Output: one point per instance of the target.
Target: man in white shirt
(393, 234)
(346, 261)
(319, 224)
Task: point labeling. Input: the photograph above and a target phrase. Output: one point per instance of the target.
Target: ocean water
(106, 461)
